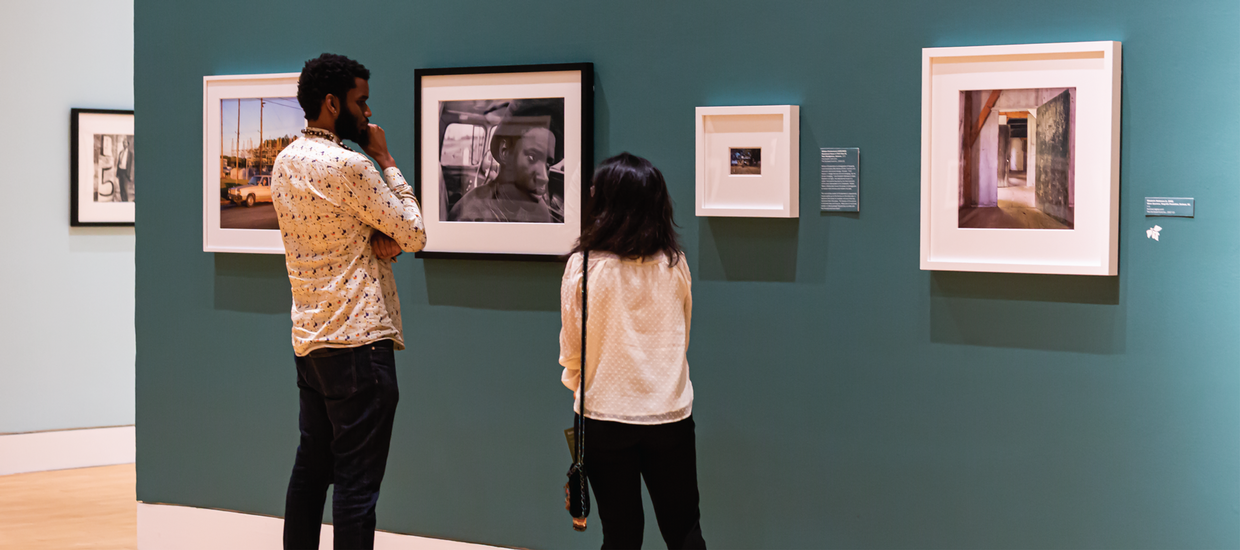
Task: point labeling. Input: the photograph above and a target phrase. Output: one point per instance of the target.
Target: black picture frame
(586, 71)
(75, 126)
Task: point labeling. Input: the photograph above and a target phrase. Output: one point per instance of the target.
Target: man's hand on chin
(376, 147)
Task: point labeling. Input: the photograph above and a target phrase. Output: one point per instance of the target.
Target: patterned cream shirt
(329, 200)
(637, 337)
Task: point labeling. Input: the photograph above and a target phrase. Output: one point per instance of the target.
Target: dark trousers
(619, 456)
(125, 184)
(348, 402)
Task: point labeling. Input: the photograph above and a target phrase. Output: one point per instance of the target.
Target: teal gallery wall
(845, 399)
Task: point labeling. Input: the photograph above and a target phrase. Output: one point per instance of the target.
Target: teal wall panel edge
(845, 399)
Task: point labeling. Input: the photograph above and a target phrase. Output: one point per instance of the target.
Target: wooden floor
(82, 508)
(1016, 210)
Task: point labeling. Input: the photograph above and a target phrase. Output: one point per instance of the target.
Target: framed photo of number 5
(101, 160)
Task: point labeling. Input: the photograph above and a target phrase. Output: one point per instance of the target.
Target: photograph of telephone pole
(252, 134)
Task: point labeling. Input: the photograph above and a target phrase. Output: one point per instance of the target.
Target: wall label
(1181, 207)
(841, 182)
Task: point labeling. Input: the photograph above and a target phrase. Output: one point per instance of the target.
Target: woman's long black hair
(629, 212)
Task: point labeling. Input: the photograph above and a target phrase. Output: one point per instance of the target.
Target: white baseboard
(168, 527)
(60, 450)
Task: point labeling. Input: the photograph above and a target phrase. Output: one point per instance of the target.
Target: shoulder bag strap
(579, 437)
(579, 426)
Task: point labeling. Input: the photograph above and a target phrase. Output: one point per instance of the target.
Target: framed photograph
(246, 121)
(748, 161)
(101, 189)
(501, 157)
(1020, 151)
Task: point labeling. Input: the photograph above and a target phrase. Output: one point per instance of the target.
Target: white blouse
(638, 333)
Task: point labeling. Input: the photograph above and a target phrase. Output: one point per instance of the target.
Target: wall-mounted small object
(748, 161)
(1170, 207)
(841, 179)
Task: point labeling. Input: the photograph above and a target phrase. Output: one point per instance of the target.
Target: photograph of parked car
(101, 187)
(247, 121)
(253, 131)
(502, 160)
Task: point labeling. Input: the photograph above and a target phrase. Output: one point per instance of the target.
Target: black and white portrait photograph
(101, 167)
(502, 160)
(113, 168)
(746, 161)
(504, 156)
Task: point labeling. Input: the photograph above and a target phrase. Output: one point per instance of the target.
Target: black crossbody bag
(577, 491)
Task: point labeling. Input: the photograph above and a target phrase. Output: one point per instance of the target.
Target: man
(524, 148)
(336, 214)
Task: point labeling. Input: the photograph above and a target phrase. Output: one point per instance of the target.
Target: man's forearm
(398, 185)
(385, 162)
(409, 231)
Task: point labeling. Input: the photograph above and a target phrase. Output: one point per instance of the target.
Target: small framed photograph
(101, 182)
(501, 157)
(1020, 158)
(246, 120)
(748, 161)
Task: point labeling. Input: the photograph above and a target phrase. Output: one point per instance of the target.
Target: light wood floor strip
(68, 509)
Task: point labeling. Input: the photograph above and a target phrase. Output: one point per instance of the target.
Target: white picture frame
(465, 96)
(1086, 77)
(223, 229)
(728, 184)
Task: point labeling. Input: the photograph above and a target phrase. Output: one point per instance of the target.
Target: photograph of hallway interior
(1017, 158)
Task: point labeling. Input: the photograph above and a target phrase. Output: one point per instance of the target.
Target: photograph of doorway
(1017, 158)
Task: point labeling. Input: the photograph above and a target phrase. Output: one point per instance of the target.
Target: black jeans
(348, 402)
(619, 456)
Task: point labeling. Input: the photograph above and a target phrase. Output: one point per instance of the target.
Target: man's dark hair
(629, 211)
(327, 74)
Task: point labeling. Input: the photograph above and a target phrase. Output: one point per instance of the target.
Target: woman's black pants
(618, 456)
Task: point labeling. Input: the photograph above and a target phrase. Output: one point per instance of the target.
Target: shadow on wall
(1041, 312)
(493, 284)
(747, 249)
(252, 283)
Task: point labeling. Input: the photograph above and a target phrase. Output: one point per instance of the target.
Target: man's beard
(347, 127)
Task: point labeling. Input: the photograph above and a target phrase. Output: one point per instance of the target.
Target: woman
(639, 400)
